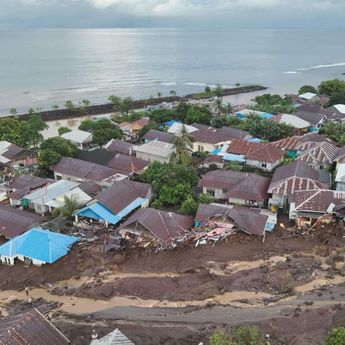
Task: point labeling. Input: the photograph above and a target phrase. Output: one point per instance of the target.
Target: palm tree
(218, 105)
(159, 94)
(183, 145)
(172, 93)
(70, 205)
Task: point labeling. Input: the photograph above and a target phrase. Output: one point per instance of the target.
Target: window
(58, 177)
(211, 192)
(322, 167)
(264, 165)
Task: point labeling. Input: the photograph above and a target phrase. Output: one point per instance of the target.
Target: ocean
(44, 67)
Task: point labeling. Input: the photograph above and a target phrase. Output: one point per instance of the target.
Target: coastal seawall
(62, 114)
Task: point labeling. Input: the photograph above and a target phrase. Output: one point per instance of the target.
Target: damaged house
(236, 187)
(252, 221)
(307, 206)
(113, 204)
(152, 226)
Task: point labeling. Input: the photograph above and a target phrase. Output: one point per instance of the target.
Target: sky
(172, 13)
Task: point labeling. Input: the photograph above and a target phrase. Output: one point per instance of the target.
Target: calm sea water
(40, 68)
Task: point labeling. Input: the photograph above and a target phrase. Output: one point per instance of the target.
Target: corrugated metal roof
(99, 212)
(157, 148)
(39, 244)
(115, 337)
(30, 328)
(78, 136)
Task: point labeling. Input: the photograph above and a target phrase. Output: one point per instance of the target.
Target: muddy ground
(185, 294)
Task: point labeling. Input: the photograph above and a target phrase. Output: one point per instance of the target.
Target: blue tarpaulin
(171, 122)
(235, 158)
(39, 244)
(215, 151)
(255, 140)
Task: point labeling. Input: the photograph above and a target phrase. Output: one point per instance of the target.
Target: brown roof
(122, 194)
(290, 143)
(127, 165)
(13, 151)
(120, 146)
(318, 153)
(295, 176)
(14, 222)
(154, 134)
(317, 200)
(161, 224)
(266, 153)
(82, 169)
(90, 188)
(248, 219)
(217, 135)
(340, 157)
(213, 159)
(23, 184)
(247, 186)
(243, 147)
(30, 328)
(142, 122)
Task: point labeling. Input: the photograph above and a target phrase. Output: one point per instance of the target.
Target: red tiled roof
(266, 153)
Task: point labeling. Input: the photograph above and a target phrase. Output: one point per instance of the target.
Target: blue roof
(215, 151)
(266, 115)
(232, 157)
(100, 212)
(255, 140)
(171, 122)
(39, 244)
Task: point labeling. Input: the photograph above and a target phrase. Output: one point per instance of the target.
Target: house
(150, 224)
(115, 337)
(308, 205)
(112, 205)
(253, 221)
(309, 97)
(36, 246)
(335, 113)
(23, 185)
(40, 198)
(124, 165)
(154, 134)
(177, 127)
(313, 114)
(127, 165)
(207, 139)
(213, 160)
(340, 177)
(242, 114)
(15, 222)
(292, 120)
(295, 176)
(16, 157)
(155, 151)
(131, 129)
(318, 155)
(267, 157)
(76, 194)
(81, 171)
(81, 139)
(30, 327)
(119, 146)
(236, 187)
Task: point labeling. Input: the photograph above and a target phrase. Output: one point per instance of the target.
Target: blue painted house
(115, 203)
(37, 246)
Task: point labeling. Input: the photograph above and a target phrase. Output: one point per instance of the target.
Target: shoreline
(99, 109)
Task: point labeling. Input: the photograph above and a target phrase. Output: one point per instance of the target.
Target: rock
(118, 259)
(308, 302)
(106, 290)
(244, 300)
(342, 271)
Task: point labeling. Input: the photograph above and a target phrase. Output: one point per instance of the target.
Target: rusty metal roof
(30, 328)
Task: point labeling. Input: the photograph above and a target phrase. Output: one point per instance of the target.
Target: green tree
(336, 336)
(13, 111)
(60, 145)
(63, 130)
(221, 338)
(69, 105)
(233, 166)
(337, 98)
(55, 107)
(189, 206)
(174, 195)
(126, 105)
(103, 135)
(333, 130)
(197, 114)
(172, 93)
(115, 101)
(307, 88)
(218, 91)
(237, 84)
(183, 145)
(218, 106)
(48, 158)
(86, 125)
(69, 207)
(205, 199)
(36, 123)
(207, 89)
(273, 104)
(331, 87)
(246, 335)
(159, 94)
(85, 103)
